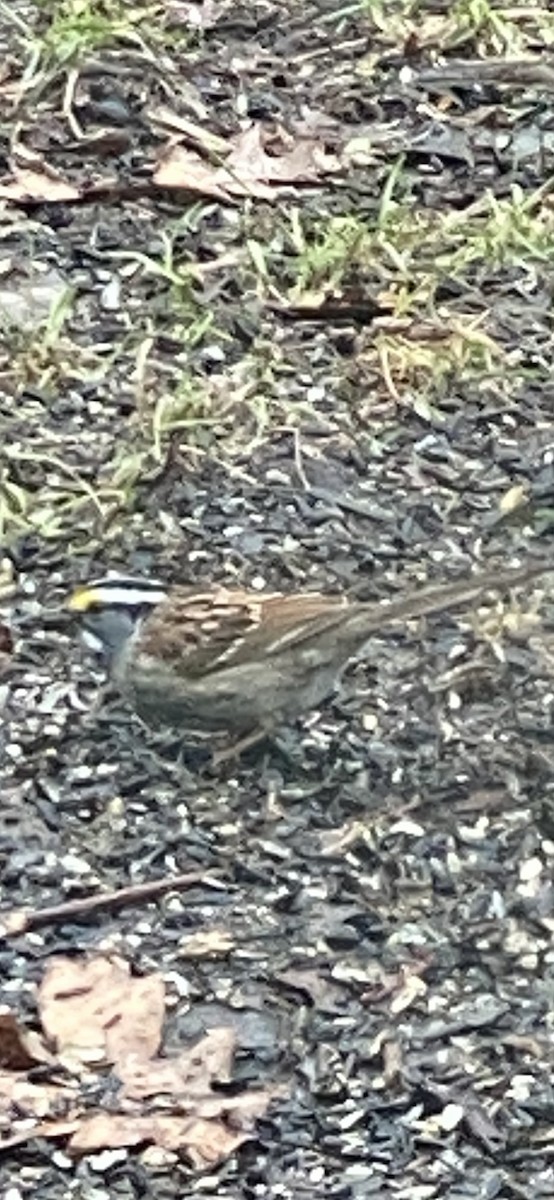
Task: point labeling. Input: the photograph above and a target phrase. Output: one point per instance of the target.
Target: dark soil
(387, 907)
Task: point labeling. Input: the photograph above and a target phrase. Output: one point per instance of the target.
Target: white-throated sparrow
(225, 660)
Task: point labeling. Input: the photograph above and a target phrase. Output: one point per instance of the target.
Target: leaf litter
(102, 1028)
(370, 439)
(246, 168)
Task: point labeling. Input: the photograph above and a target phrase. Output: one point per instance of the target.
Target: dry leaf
(52, 1129)
(304, 162)
(207, 943)
(248, 170)
(96, 1011)
(190, 1073)
(19, 1049)
(179, 168)
(32, 1099)
(42, 185)
(205, 1142)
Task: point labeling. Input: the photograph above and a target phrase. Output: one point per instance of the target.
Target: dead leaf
(304, 161)
(209, 943)
(190, 1073)
(183, 169)
(96, 1011)
(19, 1049)
(236, 1109)
(204, 1142)
(51, 1129)
(42, 185)
(249, 170)
(32, 1099)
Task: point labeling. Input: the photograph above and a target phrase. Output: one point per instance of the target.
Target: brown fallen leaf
(19, 1049)
(304, 161)
(237, 1110)
(51, 1129)
(185, 1076)
(34, 1099)
(39, 184)
(205, 1142)
(95, 1011)
(182, 169)
(249, 170)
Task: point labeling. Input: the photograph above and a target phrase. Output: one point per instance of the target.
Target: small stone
(530, 869)
(106, 1159)
(451, 1116)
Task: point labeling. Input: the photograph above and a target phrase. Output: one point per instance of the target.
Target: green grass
(401, 257)
(477, 25)
(46, 356)
(304, 248)
(413, 250)
(486, 24)
(58, 35)
(78, 27)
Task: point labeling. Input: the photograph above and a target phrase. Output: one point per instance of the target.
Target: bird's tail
(372, 617)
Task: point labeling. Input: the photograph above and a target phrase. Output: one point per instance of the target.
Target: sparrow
(241, 663)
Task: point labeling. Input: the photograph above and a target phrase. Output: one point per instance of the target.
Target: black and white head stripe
(117, 591)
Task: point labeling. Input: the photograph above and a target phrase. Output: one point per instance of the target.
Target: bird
(228, 662)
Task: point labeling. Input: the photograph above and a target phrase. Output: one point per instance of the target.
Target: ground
(335, 373)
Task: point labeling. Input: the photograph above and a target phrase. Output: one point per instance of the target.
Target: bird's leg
(233, 751)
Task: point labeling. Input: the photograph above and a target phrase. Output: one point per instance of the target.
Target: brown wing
(205, 631)
(201, 632)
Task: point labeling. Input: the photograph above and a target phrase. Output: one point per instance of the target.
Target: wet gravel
(386, 907)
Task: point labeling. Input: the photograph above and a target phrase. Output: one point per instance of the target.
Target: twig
(524, 71)
(23, 920)
(298, 460)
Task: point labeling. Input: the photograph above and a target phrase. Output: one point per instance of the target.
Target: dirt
(340, 382)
